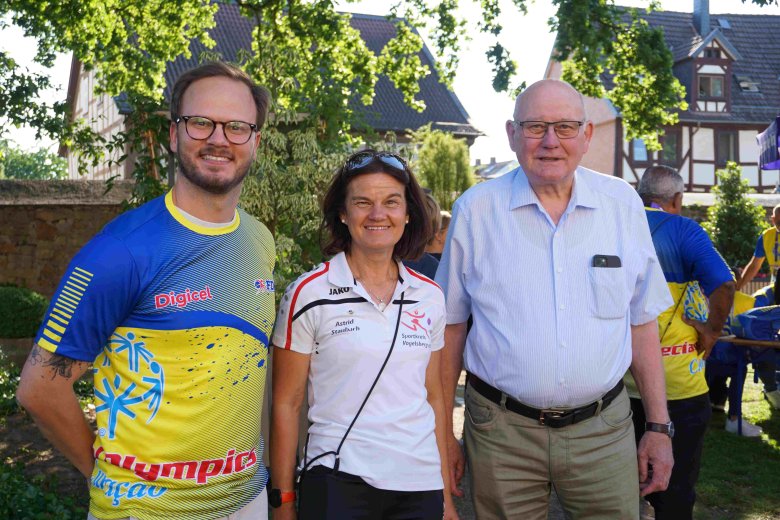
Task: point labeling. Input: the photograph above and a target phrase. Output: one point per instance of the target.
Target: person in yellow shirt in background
(687, 330)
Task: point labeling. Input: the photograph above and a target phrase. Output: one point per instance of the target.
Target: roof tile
(388, 111)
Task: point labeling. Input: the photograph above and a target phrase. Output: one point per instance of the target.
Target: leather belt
(554, 418)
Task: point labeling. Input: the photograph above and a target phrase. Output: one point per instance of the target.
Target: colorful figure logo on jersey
(119, 396)
(695, 303)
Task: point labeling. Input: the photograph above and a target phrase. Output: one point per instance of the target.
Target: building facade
(729, 65)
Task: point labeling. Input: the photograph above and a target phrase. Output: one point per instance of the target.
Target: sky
(526, 37)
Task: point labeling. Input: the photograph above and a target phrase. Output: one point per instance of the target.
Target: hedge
(21, 312)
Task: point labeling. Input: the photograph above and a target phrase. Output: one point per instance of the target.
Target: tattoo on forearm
(35, 356)
(60, 365)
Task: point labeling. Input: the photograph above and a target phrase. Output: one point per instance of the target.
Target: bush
(9, 380)
(21, 312)
(36, 498)
(734, 221)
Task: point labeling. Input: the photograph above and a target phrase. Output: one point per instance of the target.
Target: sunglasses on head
(362, 159)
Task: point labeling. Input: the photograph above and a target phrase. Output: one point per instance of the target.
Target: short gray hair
(660, 184)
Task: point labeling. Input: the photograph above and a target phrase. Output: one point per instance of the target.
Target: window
(725, 147)
(711, 87)
(671, 149)
(712, 53)
(639, 152)
(747, 84)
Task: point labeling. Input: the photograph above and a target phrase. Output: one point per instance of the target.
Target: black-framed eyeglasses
(538, 129)
(201, 128)
(362, 159)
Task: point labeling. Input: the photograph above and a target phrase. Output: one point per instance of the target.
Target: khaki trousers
(515, 461)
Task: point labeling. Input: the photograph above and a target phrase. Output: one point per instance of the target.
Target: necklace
(377, 299)
(391, 275)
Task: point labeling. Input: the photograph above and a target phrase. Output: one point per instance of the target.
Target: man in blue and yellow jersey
(688, 330)
(768, 246)
(170, 307)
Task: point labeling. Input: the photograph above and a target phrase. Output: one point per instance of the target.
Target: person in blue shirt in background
(427, 263)
(723, 365)
(768, 246)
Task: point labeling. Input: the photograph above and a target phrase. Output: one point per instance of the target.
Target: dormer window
(711, 87)
(712, 53)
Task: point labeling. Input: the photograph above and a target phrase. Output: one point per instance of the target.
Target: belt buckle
(550, 414)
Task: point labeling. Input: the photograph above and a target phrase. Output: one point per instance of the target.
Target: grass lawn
(740, 477)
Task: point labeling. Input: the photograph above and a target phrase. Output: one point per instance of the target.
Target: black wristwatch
(276, 497)
(667, 428)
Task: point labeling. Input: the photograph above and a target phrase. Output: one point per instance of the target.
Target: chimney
(701, 16)
(478, 162)
(492, 160)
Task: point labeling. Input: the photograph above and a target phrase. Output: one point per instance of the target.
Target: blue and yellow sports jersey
(762, 297)
(176, 319)
(692, 268)
(768, 246)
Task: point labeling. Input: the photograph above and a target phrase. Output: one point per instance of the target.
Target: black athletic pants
(690, 417)
(325, 495)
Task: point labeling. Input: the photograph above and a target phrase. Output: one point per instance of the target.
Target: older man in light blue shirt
(556, 265)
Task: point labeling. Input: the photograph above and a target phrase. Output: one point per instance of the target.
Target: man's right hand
(457, 461)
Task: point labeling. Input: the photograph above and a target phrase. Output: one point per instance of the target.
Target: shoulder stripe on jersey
(406, 302)
(317, 303)
(422, 277)
(288, 340)
(64, 306)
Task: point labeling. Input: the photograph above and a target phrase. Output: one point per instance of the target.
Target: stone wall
(44, 223)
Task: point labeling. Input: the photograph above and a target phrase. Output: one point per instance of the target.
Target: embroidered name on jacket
(344, 326)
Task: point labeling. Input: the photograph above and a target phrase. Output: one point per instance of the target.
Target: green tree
(442, 165)
(596, 37)
(734, 221)
(314, 61)
(39, 165)
(291, 174)
(316, 67)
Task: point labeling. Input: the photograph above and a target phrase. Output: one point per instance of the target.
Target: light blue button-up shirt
(550, 328)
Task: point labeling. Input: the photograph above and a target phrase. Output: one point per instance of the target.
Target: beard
(210, 183)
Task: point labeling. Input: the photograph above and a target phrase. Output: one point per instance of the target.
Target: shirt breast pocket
(608, 293)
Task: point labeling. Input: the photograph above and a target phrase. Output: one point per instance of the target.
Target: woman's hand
(450, 513)
(285, 512)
